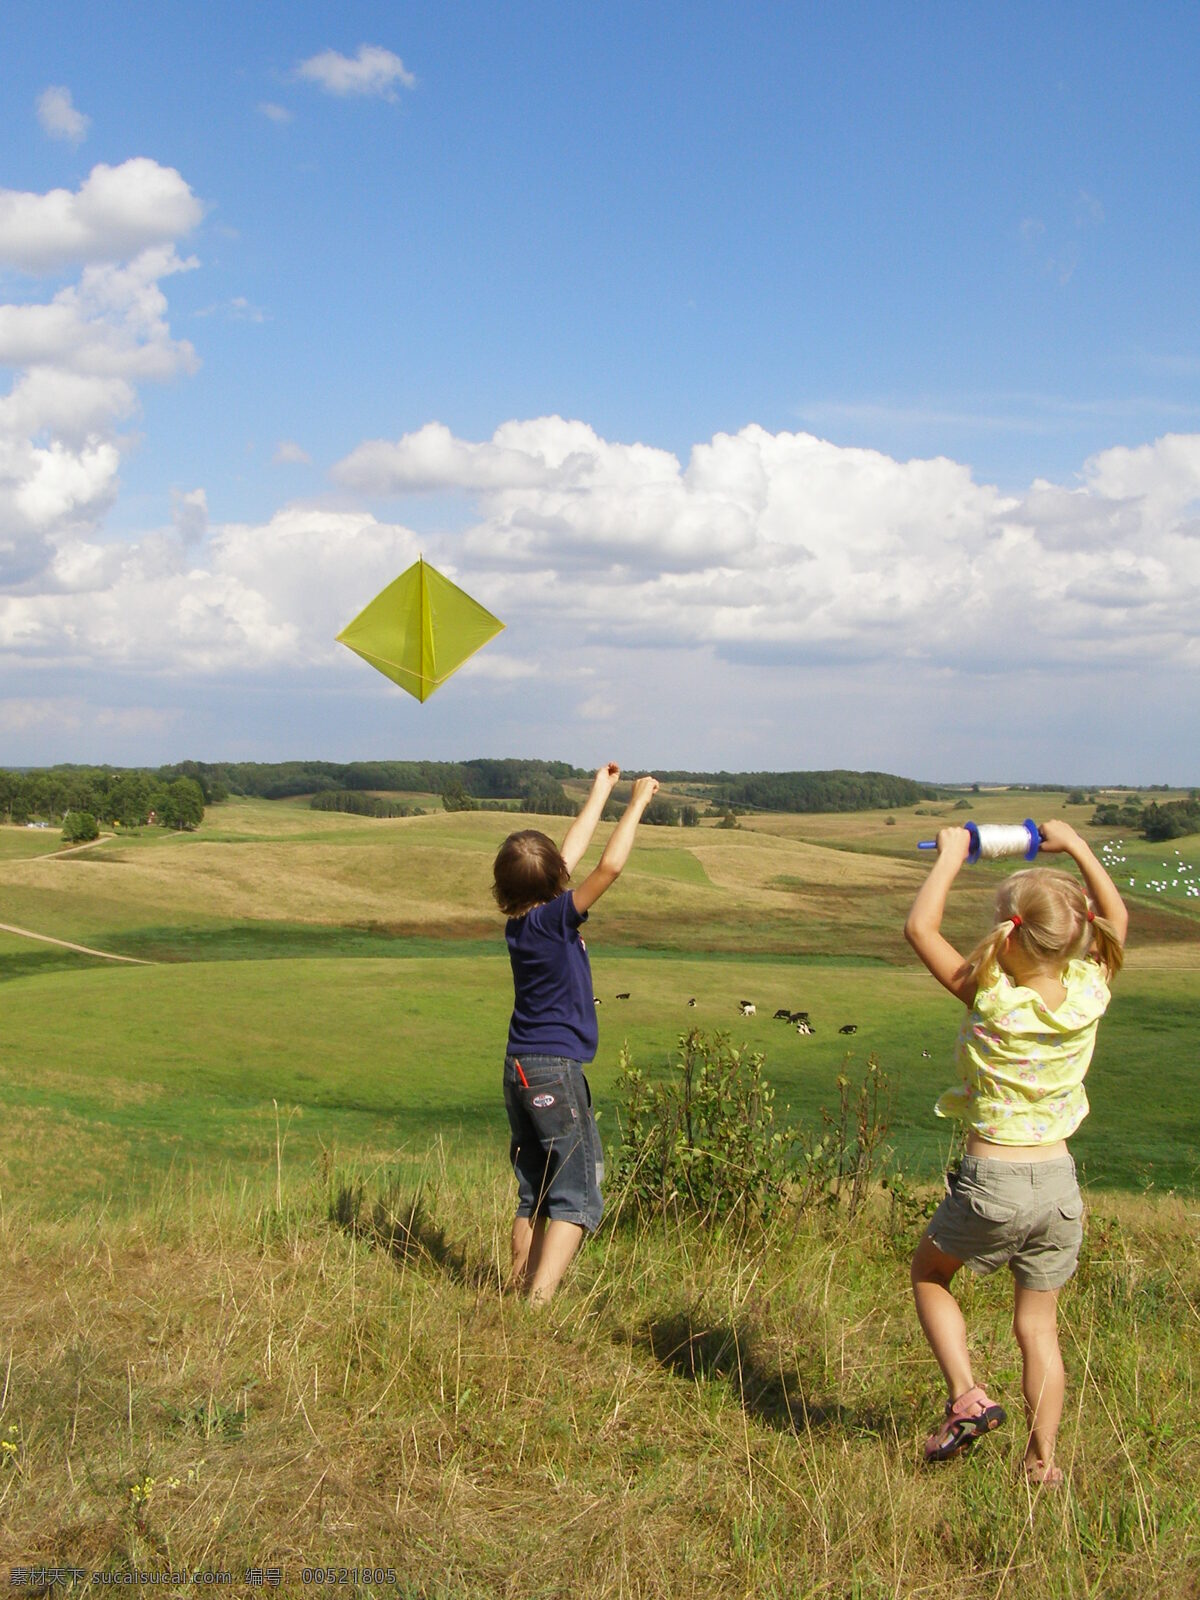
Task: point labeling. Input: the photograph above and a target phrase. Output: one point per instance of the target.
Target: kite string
(998, 840)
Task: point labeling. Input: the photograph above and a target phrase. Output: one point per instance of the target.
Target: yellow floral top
(1022, 1064)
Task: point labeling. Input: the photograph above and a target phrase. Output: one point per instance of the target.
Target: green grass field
(351, 975)
(201, 1368)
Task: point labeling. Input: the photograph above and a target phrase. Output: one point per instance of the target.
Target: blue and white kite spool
(993, 841)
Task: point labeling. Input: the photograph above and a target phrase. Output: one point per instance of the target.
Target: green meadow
(350, 976)
(254, 1210)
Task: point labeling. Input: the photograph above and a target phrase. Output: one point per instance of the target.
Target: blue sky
(804, 386)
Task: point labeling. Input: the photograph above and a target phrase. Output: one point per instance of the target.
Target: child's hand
(954, 843)
(1059, 836)
(644, 791)
(607, 778)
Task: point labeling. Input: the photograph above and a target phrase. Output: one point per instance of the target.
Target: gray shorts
(1026, 1215)
(555, 1145)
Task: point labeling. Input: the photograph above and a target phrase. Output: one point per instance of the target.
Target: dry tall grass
(230, 1380)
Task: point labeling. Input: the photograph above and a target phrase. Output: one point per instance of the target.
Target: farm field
(254, 1211)
(308, 963)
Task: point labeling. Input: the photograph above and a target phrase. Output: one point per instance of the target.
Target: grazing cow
(746, 1007)
(804, 1027)
(797, 1016)
(848, 1027)
(692, 1001)
(624, 996)
(782, 1015)
(925, 1056)
(596, 1000)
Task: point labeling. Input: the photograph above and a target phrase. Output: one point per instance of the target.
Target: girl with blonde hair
(1035, 989)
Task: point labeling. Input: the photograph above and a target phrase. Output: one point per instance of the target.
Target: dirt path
(66, 944)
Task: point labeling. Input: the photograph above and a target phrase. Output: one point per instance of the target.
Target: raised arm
(579, 834)
(616, 852)
(1060, 836)
(923, 928)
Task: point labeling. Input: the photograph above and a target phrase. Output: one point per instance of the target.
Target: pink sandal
(967, 1417)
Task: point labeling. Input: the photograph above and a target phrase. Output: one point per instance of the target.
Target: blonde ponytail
(1048, 913)
(1106, 948)
(980, 966)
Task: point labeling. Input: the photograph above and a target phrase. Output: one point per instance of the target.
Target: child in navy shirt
(555, 1147)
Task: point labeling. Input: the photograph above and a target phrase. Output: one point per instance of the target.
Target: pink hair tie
(1015, 920)
(1091, 916)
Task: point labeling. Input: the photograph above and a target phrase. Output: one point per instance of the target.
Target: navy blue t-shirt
(554, 1012)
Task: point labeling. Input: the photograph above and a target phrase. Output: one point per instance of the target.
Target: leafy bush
(661, 813)
(547, 797)
(355, 804)
(705, 1142)
(79, 827)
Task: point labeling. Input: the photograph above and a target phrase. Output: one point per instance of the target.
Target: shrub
(705, 1142)
(456, 798)
(661, 813)
(79, 827)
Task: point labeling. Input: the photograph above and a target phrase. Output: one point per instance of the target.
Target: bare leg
(1043, 1381)
(939, 1315)
(527, 1236)
(547, 1263)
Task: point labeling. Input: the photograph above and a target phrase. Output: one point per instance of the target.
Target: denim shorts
(555, 1146)
(1026, 1215)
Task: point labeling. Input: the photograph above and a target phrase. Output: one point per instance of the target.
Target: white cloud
(58, 116)
(1089, 211)
(115, 213)
(597, 708)
(786, 547)
(289, 453)
(78, 359)
(274, 113)
(39, 713)
(780, 556)
(69, 716)
(112, 324)
(248, 597)
(189, 514)
(433, 459)
(496, 668)
(373, 71)
(238, 309)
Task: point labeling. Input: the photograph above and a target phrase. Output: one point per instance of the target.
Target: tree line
(81, 799)
(1170, 820)
(540, 782)
(836, 790)
(178, 793)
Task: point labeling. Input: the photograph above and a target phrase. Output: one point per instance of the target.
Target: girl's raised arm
(923, 927)
(616, 852)
(1062, 836)
(579, 834)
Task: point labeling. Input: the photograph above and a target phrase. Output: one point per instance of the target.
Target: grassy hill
(254, 1211)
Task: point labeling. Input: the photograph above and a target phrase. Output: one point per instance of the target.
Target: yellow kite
(420, 629)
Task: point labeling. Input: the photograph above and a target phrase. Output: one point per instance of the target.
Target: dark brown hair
(529, 870)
